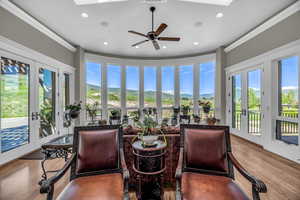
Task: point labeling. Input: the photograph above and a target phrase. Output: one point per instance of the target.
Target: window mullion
(123, 89)
(176, 87)
(158, 91)
(196, 87)
(104, 90)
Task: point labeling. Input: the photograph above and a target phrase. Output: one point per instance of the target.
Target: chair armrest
(47, 185)
(123, 165)
(258, 185)
(179, 165)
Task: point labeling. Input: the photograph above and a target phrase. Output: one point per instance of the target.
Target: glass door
(17, 88)
(246, 103)
(236, 102)
(47, 102)
(254, 102)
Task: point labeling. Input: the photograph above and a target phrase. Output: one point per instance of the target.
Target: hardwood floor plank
(19, 179)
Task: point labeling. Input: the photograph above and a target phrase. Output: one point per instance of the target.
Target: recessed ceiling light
(105, 43)
(219, 15)
(164, 47)
(84, 15)
(137, 47)
(198, 24)
(214, 2)
(196, 43)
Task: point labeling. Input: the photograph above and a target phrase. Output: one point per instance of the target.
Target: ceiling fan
(153, 36)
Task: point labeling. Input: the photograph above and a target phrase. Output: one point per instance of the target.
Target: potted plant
(165, 122)
(125, 120)
(185, 109)
(206, 106)
(135, 116)
(174, 119)
(196, 118)
(73, 110)
(92, 111)
(148, 130)
(212, 120)
(115, 116)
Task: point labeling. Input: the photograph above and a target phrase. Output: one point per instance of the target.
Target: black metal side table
(59, 147)
(149, 164)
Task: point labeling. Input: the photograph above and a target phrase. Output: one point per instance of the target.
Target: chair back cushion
(97, 150)
(205, 149)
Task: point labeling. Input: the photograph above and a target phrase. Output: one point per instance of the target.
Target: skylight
(85, 2)
(214, 2)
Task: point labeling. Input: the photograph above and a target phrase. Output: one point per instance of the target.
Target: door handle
(35, 116)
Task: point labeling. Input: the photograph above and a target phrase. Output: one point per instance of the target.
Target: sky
(185, 77)
(290, 73)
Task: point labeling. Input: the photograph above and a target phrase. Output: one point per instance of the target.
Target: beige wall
(282, 33)
(15, 29)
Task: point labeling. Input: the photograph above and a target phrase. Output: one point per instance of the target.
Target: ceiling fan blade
(138, 43)
(160, 29)
(169, 38)
(137, 33)
(155, 44)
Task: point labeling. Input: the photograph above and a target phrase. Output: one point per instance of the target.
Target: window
(150, 87)
(186, 85)
(14, 104)
(288, 103)
(93, 83)
(254, 102)
(207, 82)
(47, 102)
(66, 90)
(167, 86)
(132, 87)
(236, 101)
(113, 86)
(66, 95)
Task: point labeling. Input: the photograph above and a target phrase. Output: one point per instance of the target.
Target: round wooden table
(149, 164)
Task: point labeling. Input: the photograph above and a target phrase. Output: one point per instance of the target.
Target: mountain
(148, 94)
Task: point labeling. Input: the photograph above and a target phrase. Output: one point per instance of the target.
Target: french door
(47, 111)
(31, 107)
(17, 129)
(246, 98)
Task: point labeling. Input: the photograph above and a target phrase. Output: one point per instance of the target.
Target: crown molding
(295, 7)
(12, 8)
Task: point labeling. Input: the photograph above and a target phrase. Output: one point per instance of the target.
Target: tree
(253, 99)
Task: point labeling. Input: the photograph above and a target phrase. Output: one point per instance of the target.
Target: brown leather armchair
(205, 166)
(98, 168)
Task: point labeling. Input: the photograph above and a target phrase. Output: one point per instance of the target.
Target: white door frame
(19, 151)
(269, 107)
(16, 51)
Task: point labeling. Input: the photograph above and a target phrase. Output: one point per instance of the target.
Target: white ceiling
(109, 22)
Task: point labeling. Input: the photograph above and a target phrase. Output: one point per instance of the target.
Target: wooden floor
(19, 179)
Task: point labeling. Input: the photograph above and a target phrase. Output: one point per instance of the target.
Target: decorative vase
(211, 121)
(149, 140)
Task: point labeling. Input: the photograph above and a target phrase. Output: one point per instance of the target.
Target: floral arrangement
(206, 106)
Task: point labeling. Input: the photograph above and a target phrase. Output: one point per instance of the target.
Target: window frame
(276, 114)
(123, 62)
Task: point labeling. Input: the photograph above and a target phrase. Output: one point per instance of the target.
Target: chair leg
(255, 194)
(178, 191)
(50, 193)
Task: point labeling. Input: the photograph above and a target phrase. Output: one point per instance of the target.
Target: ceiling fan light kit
(152, 35)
